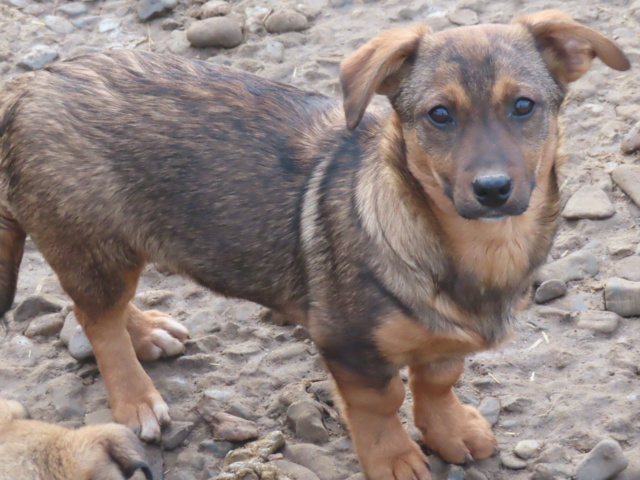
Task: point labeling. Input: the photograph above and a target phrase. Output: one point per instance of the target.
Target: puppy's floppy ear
(569, 48)
(376, 67)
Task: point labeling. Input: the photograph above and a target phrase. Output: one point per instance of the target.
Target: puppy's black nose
(492, 190)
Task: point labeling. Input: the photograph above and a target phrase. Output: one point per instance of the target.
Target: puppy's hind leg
(12, 238)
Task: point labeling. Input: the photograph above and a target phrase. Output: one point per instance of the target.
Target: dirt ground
(568, 379)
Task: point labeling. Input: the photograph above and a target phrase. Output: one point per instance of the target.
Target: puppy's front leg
(383, 446)
(453, 430)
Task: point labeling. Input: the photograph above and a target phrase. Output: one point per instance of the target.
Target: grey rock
(156, 298)
(86, 21)
(70, 327)
(464, 16)
(603, 462)
(627, 177)
(275, 50)
(631, 141)
(176, 433)
(628, 268)
(99, 417)
(260, 449)
(149, 9)
(214, 8)
(17, 3)
(36, 305)
(473, 474)
(621, 247)
(108, 25)
(575, 266)
(295, 471)
(219, 448)
(512, 462)
(59, 24)
(286, 20)
(316, 459)
(551, 471)
(589, 202)
(527, 449)
(44, 325)
(306, 419)
(622, 297)
(243, 349)
(79, 346)
(549, 290)
(215, 32)
(67, 396)
(322, 391)
(73, 9)
(489, 408)
(602, 322)
(231, 428)
(456, 472)
(552, 313)
(169, 24)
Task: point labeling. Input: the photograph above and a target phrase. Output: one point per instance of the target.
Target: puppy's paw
(12, 410)
(143, 413)
(155, 334)
(395, 461)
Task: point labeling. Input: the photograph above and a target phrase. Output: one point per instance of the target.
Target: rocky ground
(563, 395)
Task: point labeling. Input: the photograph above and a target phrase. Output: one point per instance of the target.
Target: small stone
(316, 459)
(98, 417)
(45, 325)
(306, 419)
(169, 24)
(232, 428)
(79, 346)
(589, 202)
(551, 471)
(73, 9)
(527, 449)
(86, 21)
(551, 313)
(549, 290)
(575, 266)
(602, 322)
(295, 471)
(464, 16)
(259, 449)
(627, 177)
(631, 141)
(323, 392)
(286, 20)
(67, 396)
(512, 462)
(621, 247)
(489, 408)
(603, 462)
(628, 268)
(156, 298)
(243, 349)
(59, 24)
(473, 474)
(275, 50)
(622, 297)
(215, 32)
(219, 448)
(70, 327)
(175, 434)
(36, 305)
(214, 8)
(149, 9)
(108, 25)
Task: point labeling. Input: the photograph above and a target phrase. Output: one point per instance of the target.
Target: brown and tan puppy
(32, 450)
(405, 237)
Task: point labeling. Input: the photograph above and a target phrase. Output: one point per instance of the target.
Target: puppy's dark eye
(440, 116)
(523, 106)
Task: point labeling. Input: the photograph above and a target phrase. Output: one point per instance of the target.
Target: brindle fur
(33, 450)
(257, 190)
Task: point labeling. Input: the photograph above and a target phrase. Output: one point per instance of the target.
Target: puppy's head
(478, 105)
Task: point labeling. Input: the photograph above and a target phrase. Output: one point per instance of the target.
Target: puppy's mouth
(471, 211)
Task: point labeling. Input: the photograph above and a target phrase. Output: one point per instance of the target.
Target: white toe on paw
(169, 345)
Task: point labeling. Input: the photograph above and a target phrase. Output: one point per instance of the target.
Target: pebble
(67, 396)
(148, 9)
(275, 50)
(36, 305)
(627, 177)
(550, 471)
(622, 297)
(175, 434)
(323, 391)
(316, 459)
(473, 474)
(218, 447)
(73, 9)
(489, 408)
(552, 313)
(464, 16)
(169, 24)
(156, 298)
(214, 8)
(631, 141)
(628, 268)
(79, 346)
(45, 325)
(527, 449)
(59, 24)
(231, 428)
(575, 266)
(512, 462)
(259, 449)
(286, 20)
(602, 322)
(603, 462)
(621, 247)
(306, 420)
(549, 290)
(589, 202)
(98, 417)
(243, 349)
(295, 471)
(215, 32)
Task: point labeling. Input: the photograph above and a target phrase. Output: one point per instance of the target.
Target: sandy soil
(561, 381)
